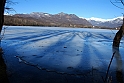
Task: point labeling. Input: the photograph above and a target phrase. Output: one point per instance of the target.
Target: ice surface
(63, 50)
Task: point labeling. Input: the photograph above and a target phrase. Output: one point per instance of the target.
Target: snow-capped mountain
(70, 20)
(112, 23)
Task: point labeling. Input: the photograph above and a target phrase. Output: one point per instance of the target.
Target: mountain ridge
(60, 19)
(112, 23)
(103, 20)
(68, 20)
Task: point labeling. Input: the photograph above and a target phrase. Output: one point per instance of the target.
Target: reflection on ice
(118, 58)
(119, 63)
(3, 73)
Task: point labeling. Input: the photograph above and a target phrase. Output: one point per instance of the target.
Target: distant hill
(45, 19)
(111, 23)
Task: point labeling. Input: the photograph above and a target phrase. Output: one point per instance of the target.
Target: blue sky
(82, 8)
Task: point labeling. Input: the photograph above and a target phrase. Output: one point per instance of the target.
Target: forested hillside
(43, 19)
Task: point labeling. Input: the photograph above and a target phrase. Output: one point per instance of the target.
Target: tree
(120, 33)
(2, 5)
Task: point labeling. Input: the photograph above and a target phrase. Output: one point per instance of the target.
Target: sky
(82, 8)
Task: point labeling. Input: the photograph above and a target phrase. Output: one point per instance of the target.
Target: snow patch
(102, 20)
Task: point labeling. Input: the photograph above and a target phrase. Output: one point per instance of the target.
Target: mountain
(60, 19)
(112, 23)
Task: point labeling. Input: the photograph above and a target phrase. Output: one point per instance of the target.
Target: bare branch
(8, 8)
(122, 2)
(119, 1)
(11, 2)
(106, 78)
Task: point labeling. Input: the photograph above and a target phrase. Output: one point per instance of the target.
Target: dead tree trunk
(2, 4)
(119, 35)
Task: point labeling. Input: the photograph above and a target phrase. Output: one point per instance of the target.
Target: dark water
(61, 55)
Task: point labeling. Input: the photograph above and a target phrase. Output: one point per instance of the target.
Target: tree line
(29, 21)
(20, 21)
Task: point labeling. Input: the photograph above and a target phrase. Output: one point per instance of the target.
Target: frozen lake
(52, 54)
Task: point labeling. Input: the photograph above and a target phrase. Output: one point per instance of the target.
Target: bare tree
(2, 5)
(120, 33)
(118, 36)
